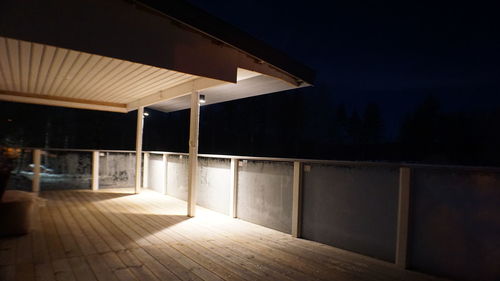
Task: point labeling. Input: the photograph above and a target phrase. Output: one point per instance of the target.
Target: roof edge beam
(180, 90)
(61, 101)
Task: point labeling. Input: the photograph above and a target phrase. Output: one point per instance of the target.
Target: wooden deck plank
(25, 272)
(113, 235)
(51, 236)
(136, 266)
(119, 269)
(62, 270)
(39, 245)
(8, 251)
(81, 269)
(44, 272)
(85, 246)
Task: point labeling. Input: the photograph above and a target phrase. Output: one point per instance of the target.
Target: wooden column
(37, 158)
(193, 153)
(233, 185)
(138, 148)
(297, 199)
(145, 171)
(403, 216)
(95, 170)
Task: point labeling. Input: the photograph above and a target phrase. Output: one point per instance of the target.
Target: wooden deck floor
(115, 235)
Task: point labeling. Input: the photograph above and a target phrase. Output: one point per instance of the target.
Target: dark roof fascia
(216, 28)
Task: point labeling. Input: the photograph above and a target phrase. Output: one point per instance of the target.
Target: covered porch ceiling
(126, 56)
(48, 75)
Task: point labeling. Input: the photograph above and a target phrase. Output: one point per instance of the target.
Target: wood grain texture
(113, 234)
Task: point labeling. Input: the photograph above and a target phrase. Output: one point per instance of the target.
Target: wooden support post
(37, 158)
(165, 171)
(193, 153)
(233, 191)
(138, 148)
(403, 216)
(95, 170)
(145, 171)
(297, 199)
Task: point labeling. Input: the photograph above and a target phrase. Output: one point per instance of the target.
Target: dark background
(395, 82)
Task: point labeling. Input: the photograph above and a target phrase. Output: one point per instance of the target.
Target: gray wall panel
(156, 175)
(177, 176)
(455, 225)
(265, 194)
(214, 186)
(354, 208)
(116, 169)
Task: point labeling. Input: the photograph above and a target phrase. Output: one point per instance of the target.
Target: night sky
(392, 54)
(395, 82)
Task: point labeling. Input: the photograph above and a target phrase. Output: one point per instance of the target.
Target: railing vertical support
(297, 199)
(95, 170)
(145, 171)
(403, 216)
(37, 158)
(165, 171)
(138, 148)
(193, 153)
(233, 191)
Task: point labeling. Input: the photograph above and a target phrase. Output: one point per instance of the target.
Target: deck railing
(437, 219)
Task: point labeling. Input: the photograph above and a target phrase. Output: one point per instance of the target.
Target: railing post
(233, 188)
(165, 171)
(145, 171)
(95, 170)
(37, 158)
(403, 216)
(297, 199)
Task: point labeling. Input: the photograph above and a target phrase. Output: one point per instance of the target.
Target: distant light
(202, 99)
(9, 120)
(146, 114)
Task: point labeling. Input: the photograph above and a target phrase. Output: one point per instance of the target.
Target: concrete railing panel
(214, 184)
(454, 223)
(265, 193)
(353, 208)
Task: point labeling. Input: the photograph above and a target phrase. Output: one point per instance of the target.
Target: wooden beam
(61, 101)
(176, 91)
(138, 149)
(193, 153)
(296, 199)
(403, 216)
(233, 197)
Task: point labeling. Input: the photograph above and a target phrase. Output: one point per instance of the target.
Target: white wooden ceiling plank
(116, 94)
(93, 66)
(166, 82)
(156, 88)
(47, 56)
(115, 70)
(4, 65)
(89, 86)
(132, 71)
(24, 64)
(66, 65)
(164, 75)
(13, 53)
(75, 73)
(55, 66)
(36, 58)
